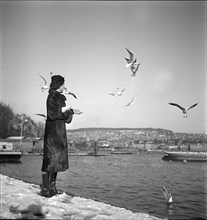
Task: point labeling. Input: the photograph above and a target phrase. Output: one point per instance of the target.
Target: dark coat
(55, 151)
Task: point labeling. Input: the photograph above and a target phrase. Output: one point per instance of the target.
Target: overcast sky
(85, 42)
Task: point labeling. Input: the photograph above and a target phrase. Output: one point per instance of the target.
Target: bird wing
(129, 62)
(43, 79)
(130, 102)
(165, 192)
(134, 69)
(42, 115)
(192, 106)
(122, 90)
(131, 54)
(180, 107)
(127, 59)
(70, 93)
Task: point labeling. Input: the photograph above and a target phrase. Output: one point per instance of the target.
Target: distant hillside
(126, 136)
(159, 130)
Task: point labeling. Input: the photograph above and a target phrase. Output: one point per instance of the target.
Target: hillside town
(135, 139)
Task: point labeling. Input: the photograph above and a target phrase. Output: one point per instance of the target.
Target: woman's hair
(56, 82)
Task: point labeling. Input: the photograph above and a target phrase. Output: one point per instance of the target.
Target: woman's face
(61, 89)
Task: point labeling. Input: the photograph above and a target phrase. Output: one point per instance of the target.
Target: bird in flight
(167, 195)
(114, 164)
(130, 103)
(129, 59)
(184, 110)
(69, 93)
(117, 92)
(77, 112)
(134, 67)
(44, 87)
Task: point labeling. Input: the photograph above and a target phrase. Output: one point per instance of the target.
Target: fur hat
(56, 81)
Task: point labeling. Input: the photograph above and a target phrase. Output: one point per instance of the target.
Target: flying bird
(130, 103)
(184, 110)
(45, 87)
(69, 93)
(117, 92)
(77, 112)
(129, 60)
(134, 67)
(167, 195)
(114, 164)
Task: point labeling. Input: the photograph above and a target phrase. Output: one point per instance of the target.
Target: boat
(121, 152)
(8, 154)
(85, 154)
(185, 156)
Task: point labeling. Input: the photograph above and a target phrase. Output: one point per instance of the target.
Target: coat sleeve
(54, 111)
(68, 116)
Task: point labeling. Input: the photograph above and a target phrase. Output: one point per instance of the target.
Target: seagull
(42, 115)
(117, 92)
(134, 67)
(130, 103)
(114, 164)
(129, 60)
(45, 86)
(167, 195)
(70, 93)
(77, 112)
(184, 110)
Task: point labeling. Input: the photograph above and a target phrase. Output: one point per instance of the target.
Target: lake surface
(134, 183)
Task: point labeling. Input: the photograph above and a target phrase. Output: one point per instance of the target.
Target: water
(135, 185)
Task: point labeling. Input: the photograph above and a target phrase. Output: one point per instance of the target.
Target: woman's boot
(45, 186)
(52, 183)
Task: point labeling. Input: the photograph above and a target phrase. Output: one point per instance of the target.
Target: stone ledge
(21, 200)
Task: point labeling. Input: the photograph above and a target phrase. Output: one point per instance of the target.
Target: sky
(85, 42)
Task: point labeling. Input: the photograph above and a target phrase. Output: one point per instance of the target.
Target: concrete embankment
(21, 200)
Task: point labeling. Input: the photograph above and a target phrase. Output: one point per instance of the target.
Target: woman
(55, 152)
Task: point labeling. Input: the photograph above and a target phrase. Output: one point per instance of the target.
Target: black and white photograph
(103, 110)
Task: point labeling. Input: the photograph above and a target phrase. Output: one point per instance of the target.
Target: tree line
(12, 124)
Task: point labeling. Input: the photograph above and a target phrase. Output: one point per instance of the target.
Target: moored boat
(8, 154)
(120, 152)
(185, 156)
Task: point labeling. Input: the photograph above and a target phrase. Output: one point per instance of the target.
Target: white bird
(134, 67)
(45, 87)
(167, 195)
(184, 110)
(130, 103)
(117, 92)
(114, 164)
(77, 112)
(69, 93)
(129, 60)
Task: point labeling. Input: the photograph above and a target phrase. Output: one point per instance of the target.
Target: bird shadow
(33, 211)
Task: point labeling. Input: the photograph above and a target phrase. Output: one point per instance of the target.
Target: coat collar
(57, 94)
